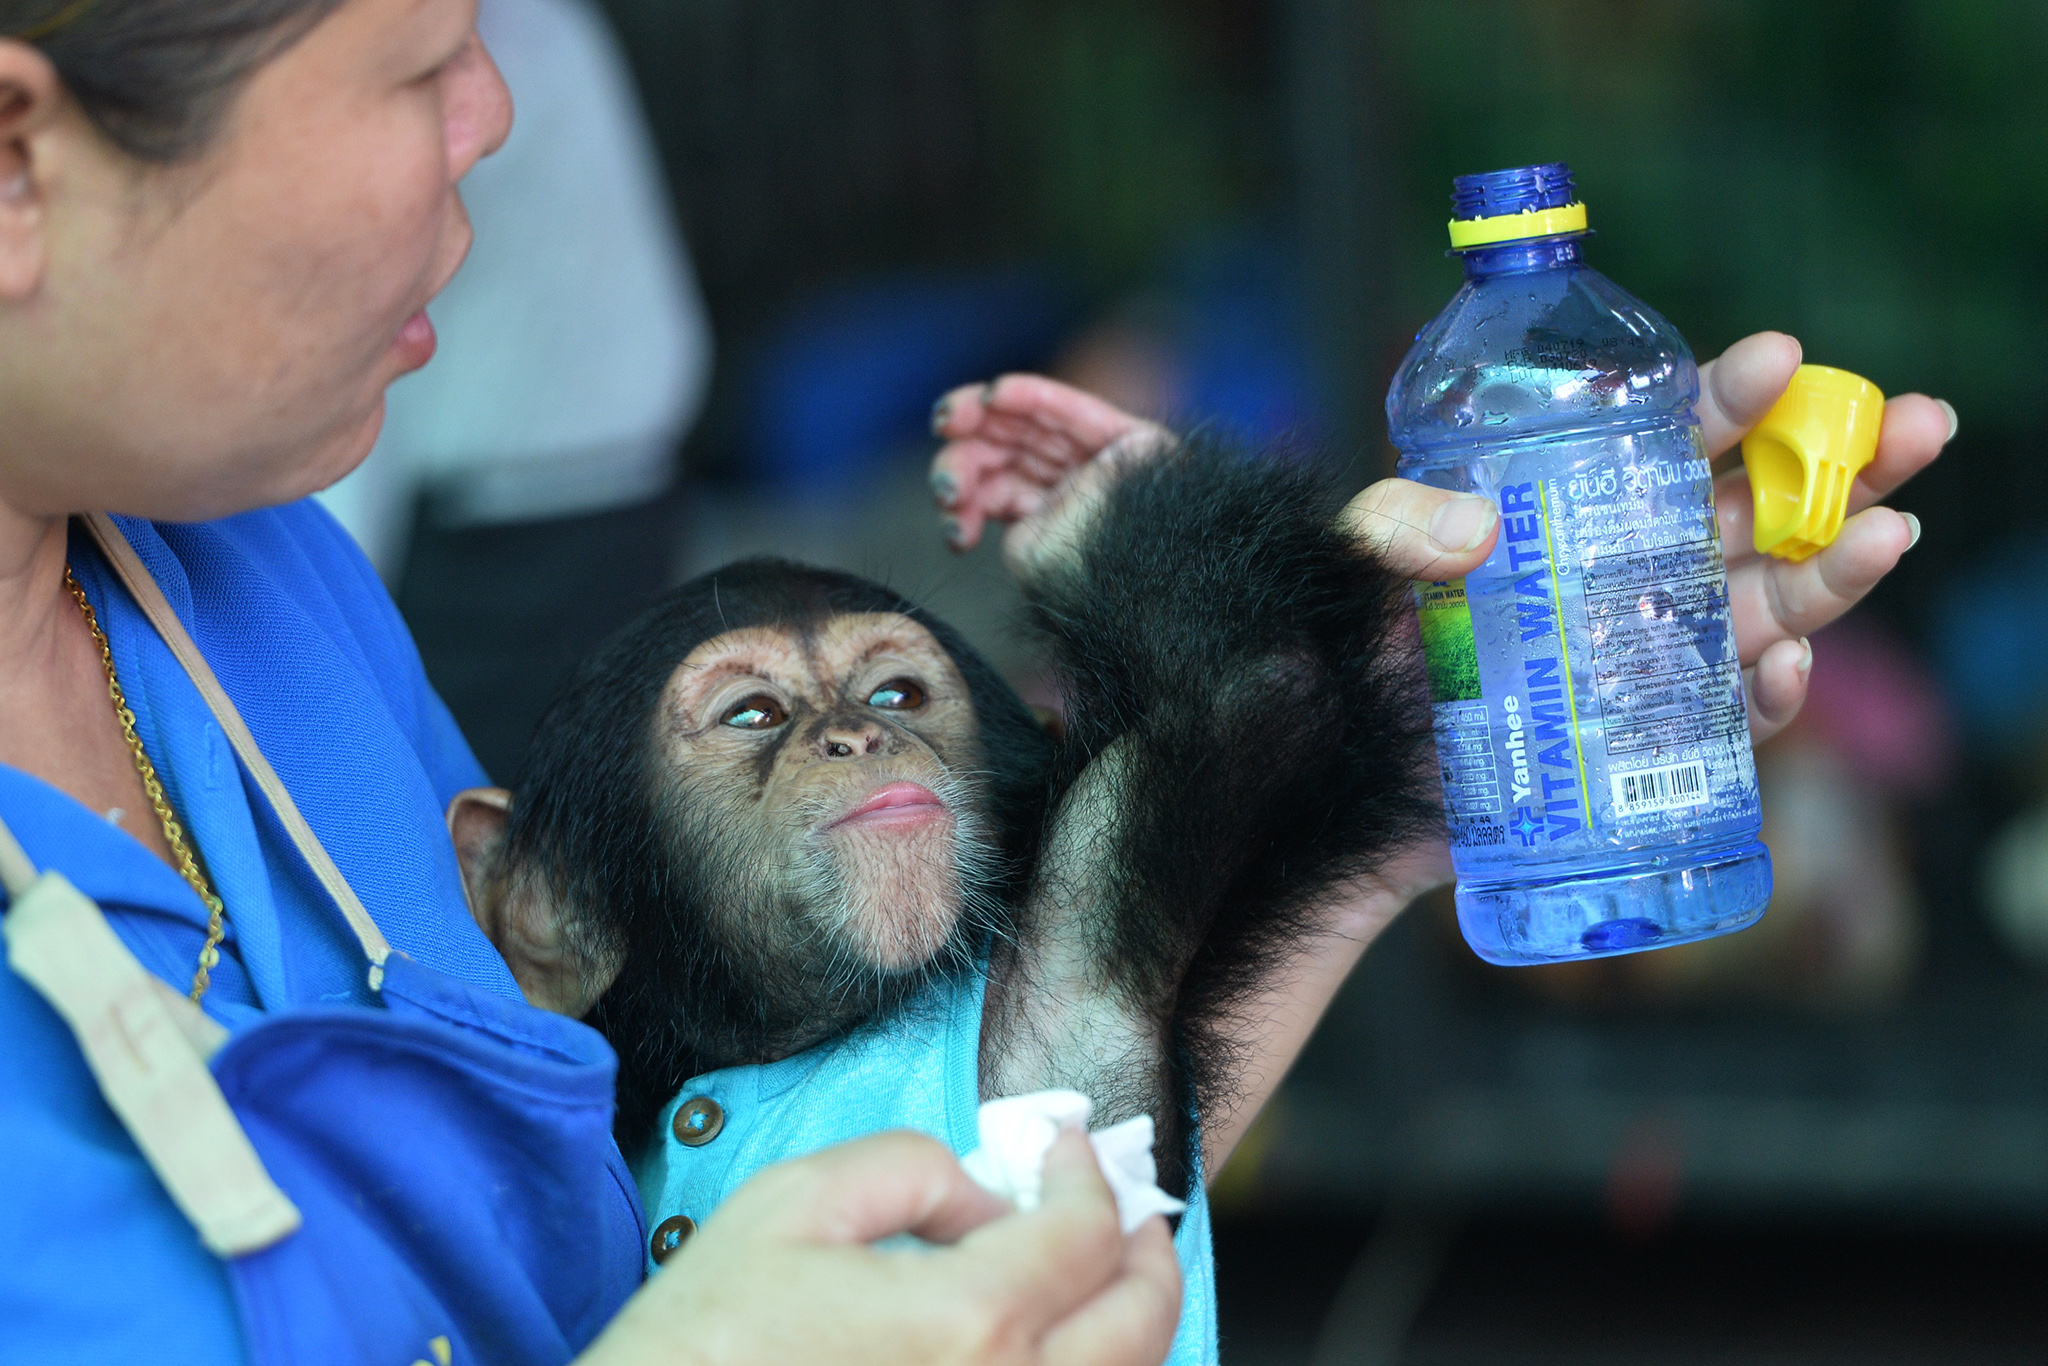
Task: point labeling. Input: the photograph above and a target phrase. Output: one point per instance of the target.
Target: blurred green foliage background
(1872, 177)
(1869, 175)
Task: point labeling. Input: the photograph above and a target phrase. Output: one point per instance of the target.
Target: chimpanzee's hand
(784, 1271)
(1034, 453)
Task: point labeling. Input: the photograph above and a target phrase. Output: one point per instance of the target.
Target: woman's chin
(341, 456)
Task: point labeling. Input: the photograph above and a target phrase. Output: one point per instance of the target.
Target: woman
(220, 221)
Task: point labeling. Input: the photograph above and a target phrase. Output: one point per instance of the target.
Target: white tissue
(1017, 1132)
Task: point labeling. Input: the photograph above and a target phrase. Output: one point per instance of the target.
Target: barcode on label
(1660, 789)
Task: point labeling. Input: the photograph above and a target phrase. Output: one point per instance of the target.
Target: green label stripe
(1448, 645)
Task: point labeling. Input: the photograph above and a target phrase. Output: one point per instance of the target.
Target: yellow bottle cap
(1805, 454)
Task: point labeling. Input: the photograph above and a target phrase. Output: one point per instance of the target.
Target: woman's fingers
(1421, 532)
(1774, 600)
(784, 1270)
(1064, 1253)
(1739, 386)
(1915, 429)
(869, 1189)
(1131, 1323)
(1776, 687)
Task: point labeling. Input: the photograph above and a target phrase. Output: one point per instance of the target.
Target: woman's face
(217, 335)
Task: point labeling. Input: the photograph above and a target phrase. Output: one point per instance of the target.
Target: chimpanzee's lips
(894, 804)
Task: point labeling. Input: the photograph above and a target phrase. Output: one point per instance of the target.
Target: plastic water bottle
(1588, 699)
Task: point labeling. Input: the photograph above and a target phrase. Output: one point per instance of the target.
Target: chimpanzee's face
(824, 774)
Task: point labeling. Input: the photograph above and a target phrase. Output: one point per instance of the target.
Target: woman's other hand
(1428, 533)
(785, 1271)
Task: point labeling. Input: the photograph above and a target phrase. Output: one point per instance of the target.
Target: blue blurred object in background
(851, 373)
(1238, 338)
(1991, 638)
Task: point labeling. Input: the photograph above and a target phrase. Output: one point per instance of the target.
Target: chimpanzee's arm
(1245, 734)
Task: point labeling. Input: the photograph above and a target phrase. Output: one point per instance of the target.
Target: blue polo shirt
(304, 638)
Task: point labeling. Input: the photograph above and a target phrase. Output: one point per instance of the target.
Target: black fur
(587, 819)
(1255, 670)
(1258, 672)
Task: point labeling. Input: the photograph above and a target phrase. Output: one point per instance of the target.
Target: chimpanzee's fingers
(958, 412)
(1055, 452)
(1090, 423)
(1001, 497)
(1000, 444)
(960, 466)
(1776, 687)
(1424, 533)
(1774, 600)
(963, 524)
(1738, 387)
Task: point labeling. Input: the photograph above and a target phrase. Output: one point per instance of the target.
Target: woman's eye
(760, 712)
(898, 694)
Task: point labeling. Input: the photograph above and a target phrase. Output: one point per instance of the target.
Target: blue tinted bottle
(1588, 700)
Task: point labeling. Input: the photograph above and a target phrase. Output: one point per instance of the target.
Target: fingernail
(1805, 665)
(944, 486)
(1913, 527)
(1461, 524)
(988, 393)
(1953, 421)
(949, 527)
(941, 411)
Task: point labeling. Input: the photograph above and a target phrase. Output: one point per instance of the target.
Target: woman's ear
(522, 920)
(30, 97)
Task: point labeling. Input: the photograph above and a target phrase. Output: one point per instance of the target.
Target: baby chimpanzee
(789, 818)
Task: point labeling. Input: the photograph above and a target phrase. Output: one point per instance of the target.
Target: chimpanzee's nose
(849, 739)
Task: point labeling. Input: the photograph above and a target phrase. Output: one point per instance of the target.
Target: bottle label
(1587, 694)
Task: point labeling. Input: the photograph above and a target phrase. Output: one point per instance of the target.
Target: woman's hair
(157, 75)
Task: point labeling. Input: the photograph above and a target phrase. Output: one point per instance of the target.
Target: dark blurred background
(1823, 1140)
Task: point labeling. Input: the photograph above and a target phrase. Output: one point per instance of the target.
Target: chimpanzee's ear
(476, 820)
(519, 919)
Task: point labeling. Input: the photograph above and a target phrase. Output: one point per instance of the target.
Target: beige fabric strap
(150, 599)
(17, 873)
(147, 1047)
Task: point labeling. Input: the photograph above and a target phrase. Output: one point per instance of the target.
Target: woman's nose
(849, 739)
(476, 106)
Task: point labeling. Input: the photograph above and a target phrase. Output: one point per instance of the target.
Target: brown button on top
(669, 1235)
(698, 1121)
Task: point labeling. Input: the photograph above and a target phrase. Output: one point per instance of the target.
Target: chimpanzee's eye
(898, 694)
(759, 712)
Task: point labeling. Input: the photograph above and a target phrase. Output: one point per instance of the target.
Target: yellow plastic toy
(1805, 454)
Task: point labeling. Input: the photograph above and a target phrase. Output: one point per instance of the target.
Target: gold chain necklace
(174, 834)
